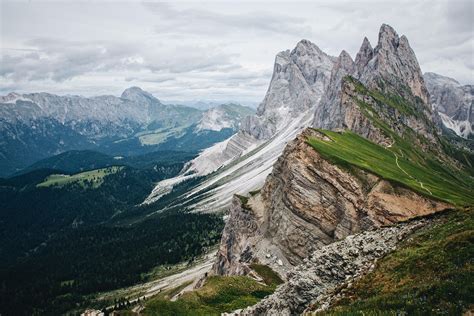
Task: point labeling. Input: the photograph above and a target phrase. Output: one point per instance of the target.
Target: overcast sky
(209, 50)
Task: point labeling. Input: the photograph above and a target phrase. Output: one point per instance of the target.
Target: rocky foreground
(330, 267)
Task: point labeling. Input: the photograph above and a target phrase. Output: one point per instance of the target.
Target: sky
(218, 50)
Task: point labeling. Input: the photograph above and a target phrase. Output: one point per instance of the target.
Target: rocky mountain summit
(309, 87)
(298, 81)
(392, 68)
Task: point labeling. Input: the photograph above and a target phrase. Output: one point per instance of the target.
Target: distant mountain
(39, 125)
(453, 101)
(224, 116)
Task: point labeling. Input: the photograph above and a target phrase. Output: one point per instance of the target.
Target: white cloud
(213, 50)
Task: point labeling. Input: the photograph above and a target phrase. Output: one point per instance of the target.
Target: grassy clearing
(88, 179)
(348, 149)
(429, 274)
(159, 136)
(219, 294)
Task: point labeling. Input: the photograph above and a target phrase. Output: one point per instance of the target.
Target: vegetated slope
(71, 266)
(65, 237)
(218, 295)
(75, 161)
(400, 163)
(87, 179)
(431, 273)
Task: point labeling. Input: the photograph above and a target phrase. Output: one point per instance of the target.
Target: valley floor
(183, 276)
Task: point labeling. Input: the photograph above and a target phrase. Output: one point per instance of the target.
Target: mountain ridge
(38, 125)
(375, 157)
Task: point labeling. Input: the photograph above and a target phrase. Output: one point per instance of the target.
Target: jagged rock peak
(388, 37)
(138, 94)
(395, 61)
(344, 59)
(304, 46)
(299, 79)
(365, 54)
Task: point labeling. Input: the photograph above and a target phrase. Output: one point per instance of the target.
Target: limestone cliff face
(299, 79)
(308, 202)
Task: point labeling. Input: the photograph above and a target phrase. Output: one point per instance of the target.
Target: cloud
(206, 22)
(61, 60)
(209, 50)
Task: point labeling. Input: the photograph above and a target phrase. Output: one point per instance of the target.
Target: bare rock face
(242, 162)
(306, 203)
(329, 267)
(453, 101)
(298, 82)
(242, 226)
(329, 114)
(394, 61)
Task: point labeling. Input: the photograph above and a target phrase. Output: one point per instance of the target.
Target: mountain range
(305, 85)
(39, 125)
(373, 156)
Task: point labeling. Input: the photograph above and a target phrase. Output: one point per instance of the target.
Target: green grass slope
(219, 294)
(432, 273)
(404, 166)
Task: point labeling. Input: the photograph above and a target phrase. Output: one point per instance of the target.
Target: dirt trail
(399, 167)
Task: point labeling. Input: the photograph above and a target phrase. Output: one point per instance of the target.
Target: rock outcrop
(308, 202)
(330, 267)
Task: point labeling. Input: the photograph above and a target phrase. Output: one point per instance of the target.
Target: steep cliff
(309, 201)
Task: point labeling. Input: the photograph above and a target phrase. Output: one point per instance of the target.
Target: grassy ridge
(350, 149)
(430, 274)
